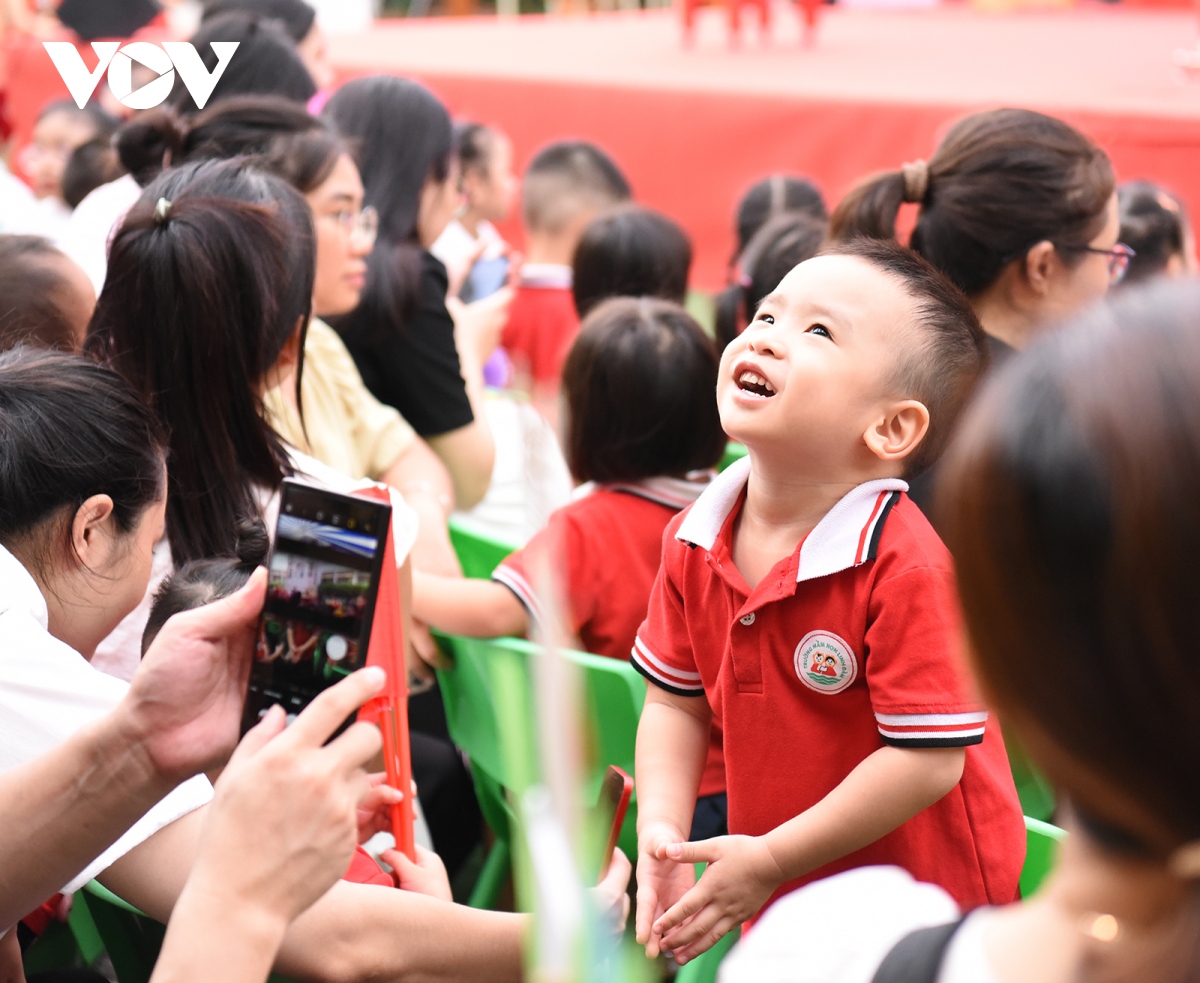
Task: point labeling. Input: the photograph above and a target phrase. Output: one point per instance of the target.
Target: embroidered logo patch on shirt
(825, 663)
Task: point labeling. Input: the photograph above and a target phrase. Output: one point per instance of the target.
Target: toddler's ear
(895, 435)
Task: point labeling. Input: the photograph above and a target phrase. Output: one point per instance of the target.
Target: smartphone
(615, 792)
(486, 277)
(321, 589)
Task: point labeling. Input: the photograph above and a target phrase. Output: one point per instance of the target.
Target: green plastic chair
(479, 553)
(488, 695)
(1042, 841)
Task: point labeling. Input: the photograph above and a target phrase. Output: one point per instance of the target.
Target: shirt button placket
(747, 619)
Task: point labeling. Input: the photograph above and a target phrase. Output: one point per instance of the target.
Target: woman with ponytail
(1070, 508)
(1017, 208)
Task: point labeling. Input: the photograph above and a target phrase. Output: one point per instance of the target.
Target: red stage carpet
(694, 127)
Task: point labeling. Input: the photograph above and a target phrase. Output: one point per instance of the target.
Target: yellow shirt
(347, 428)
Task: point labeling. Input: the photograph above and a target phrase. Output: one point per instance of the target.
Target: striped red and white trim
(658, 672)
(511, 579)
(926, 730)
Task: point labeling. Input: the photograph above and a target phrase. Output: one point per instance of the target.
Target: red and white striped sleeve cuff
(927, 730)
(666, 677)
(516, 582)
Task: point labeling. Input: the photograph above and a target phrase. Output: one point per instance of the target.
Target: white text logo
(165, 61)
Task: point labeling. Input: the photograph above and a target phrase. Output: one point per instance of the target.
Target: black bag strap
(917, 958)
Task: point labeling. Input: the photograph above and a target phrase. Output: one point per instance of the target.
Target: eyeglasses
(1118, 259)
(363, 225)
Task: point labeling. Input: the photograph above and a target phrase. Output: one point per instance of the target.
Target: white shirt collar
(547, 276)
(844, 538)
(675, 493)
(19, 591)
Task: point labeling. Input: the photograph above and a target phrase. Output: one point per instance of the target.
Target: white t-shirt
(48, 691)
(455, 245)
(839, 930)
(92, 224)
(120, 653)
(530, 478)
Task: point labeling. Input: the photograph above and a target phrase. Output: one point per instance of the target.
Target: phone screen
(486, 277)
(321, 589)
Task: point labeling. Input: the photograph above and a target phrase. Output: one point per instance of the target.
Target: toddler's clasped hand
(741, 876)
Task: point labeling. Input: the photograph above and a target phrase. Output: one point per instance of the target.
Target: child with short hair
(806, 605)
(643, 431)
(565, 186)
(630, 251)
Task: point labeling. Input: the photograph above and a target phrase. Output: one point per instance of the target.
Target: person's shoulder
(909, 540)
(433, 271)
(843, 925)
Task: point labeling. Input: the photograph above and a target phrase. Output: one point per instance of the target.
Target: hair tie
(160, 210)
(916, 180)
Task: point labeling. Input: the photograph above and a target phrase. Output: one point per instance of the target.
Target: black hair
(474, 144)
(772, 196)
(639, 384)
(943, 371)
(783, 243)
(208, 278)
(296, 16)
(70, 429)
(999, 183)
(630, 252)
(265, 63)
(283, 137)
(1153, 224)
(565, 176)
(403, 138)
(91, 164)
(200, 582)
(32, 287)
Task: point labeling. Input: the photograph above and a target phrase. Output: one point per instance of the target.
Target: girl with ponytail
(1017, 208)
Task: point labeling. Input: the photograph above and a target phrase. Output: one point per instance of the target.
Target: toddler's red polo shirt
(851, 643)
(609, 541)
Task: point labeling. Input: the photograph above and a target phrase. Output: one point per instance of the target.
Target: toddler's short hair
(631, 251)
(200, 582)
(566, 177)
(941, 372)
(640, 384)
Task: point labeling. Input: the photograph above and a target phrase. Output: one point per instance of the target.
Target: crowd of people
(966, 502)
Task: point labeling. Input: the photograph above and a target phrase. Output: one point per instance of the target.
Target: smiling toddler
(806, 606)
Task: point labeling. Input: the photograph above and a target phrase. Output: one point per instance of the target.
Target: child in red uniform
(641, 422)
(806, 605)
(565, 186)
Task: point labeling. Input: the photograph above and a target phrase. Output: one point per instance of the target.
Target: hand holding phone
(323, 581)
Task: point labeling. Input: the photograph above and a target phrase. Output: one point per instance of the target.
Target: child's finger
(706, 942)
(692, 929)
(684, 908)
(647, 905)
(701, 852)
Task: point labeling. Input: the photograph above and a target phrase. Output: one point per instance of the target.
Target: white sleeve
(47, 693)
(837, 930)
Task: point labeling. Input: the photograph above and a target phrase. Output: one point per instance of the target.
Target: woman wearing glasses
(344, 426)
(1017, 208)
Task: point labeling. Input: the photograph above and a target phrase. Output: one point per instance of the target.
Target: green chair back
(478, 552)
(1041, 851)
(488, 695)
